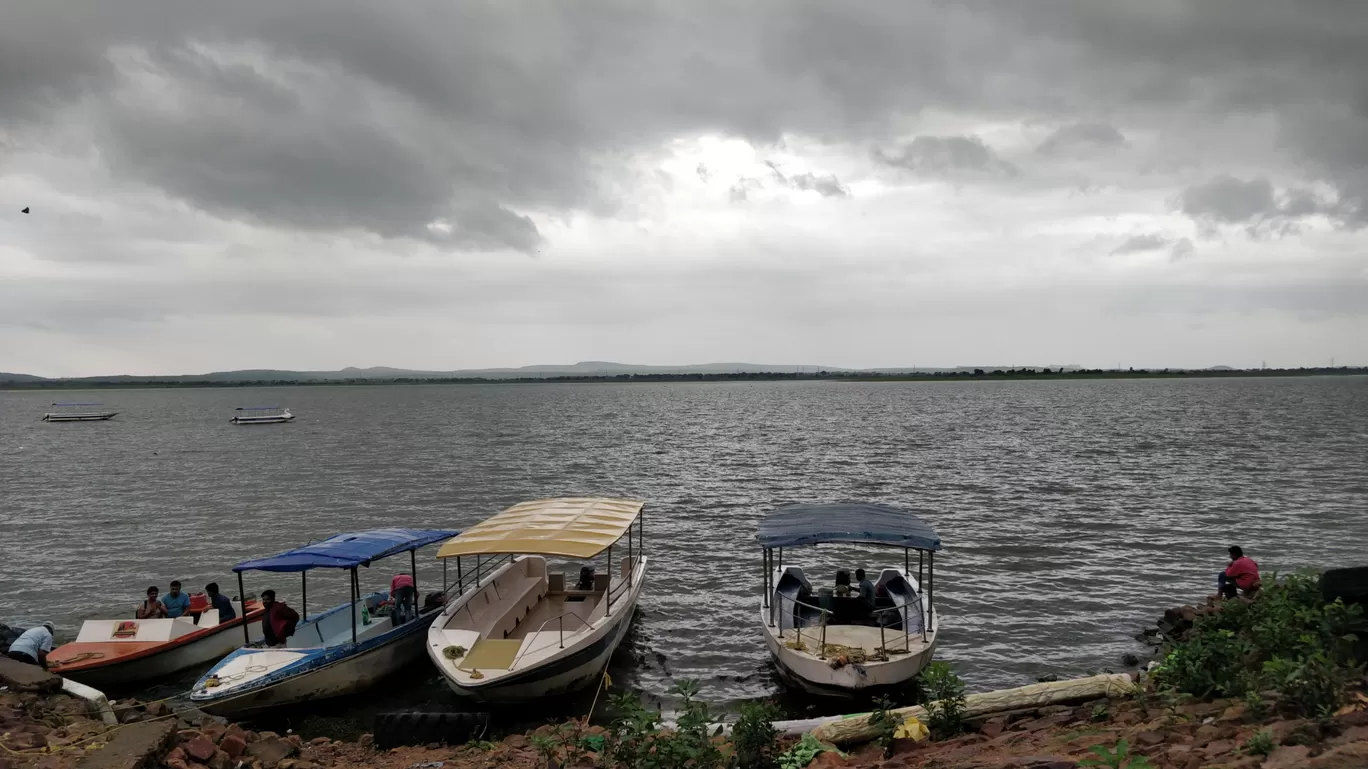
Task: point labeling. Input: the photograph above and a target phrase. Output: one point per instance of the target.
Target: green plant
(755, 741)
(633, 733)
(943, 698)
(1260, 743)
(1118, 757)
(1100, 713)
(482, 745)
(546, 746)
(1255, 708)
(802, 752)
(885, 724)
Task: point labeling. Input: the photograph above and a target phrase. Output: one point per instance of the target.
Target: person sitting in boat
(279, 622)
(405, 596)
(219, 601)
(177, 603)
(866, 588)
(33, 645)
(586, 579)
(842, 584)
(1242, 573)
(151, 608)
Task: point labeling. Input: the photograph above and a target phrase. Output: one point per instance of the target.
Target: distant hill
(20, 377)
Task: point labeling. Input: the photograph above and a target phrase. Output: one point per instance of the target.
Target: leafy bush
(634, 741)
(802, 753)
(885, 724)
(755, 741)
(943, 698)
(1260, 743)
(1287, 639)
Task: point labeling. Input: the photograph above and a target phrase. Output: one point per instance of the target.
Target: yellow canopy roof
(573, 527)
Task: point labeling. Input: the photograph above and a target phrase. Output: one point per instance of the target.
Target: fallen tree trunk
(850, 730)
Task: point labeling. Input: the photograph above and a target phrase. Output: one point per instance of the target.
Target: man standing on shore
(1242, 573)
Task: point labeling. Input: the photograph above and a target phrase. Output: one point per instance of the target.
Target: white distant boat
(261, 415)
(832, 640)
(521, 633)
(78, 412)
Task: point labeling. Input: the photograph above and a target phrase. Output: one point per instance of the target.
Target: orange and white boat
(120, 652)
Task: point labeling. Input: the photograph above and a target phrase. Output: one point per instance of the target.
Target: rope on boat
(82, 657)
(218, 680)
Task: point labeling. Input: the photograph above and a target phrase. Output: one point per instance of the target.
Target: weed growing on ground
(1100, 713)
(1255, 708)
(1260, 743)
(546, 746)
(1118, 757)
(885, 724)
(943, 694)
(755, 741)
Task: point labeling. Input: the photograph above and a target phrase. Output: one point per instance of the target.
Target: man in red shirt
(404, 594)
(1242, 573)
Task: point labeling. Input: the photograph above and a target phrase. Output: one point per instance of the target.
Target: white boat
(344, 650)
(525, 631)
(261, 415)
(835, 644)
(121, 652)
(78, 412)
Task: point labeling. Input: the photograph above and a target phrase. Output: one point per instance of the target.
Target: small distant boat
(122, 652)
(833, 644)
(261, 415)
(78, 412)
(522, 633)
(343, 650)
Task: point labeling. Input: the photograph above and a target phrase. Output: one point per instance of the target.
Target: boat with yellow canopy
(524, 628)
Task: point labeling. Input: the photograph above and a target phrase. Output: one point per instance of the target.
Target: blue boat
(341, 651)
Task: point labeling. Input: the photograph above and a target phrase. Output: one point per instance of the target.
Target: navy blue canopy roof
(797, 525)
(256, 408)
(346, 551)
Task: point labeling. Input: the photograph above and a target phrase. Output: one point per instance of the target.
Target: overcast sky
(439, 185)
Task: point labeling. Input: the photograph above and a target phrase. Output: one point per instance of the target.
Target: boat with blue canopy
(857, 636)
(341, 651)
(261, 415)
(78, 412)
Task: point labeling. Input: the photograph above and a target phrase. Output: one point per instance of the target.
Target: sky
(442, 185)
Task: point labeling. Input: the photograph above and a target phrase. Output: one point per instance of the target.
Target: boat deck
(855, 637)
(553, 606)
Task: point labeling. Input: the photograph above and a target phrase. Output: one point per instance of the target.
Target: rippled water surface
(1072, 512)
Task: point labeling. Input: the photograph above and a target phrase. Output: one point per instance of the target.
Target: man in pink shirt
(1242, 573)
(405, 598)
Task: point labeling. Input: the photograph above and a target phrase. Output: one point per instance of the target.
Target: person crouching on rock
(33, 645)
(279, 622)
(1242, 573)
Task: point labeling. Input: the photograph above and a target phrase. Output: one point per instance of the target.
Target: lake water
(1072, 512)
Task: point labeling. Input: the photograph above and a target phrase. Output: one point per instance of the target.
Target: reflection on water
(1071, 512)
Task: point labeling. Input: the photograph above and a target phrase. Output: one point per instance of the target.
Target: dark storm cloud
(1140, 243)
(513, 107)
(1081, 137)
(1253, 203)
(941, 155)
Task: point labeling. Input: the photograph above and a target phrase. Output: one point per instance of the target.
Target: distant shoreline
(843, 376)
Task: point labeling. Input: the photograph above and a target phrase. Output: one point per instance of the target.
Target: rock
(827, 759)
(130, 716)
(177, 754)
(267, 735)
(1149, 738)
(516, 741)
(366, 740)
(176, 763)
(320, 741)
(233, 730)
(200, 749)
(1218, 748)
(233, 745)
(1299, 732)
(993, 727)
(220, 760)
(270, 751)
(1047, 678)
(1351, 756)
(1287, 757)
(1130, 660)
(1356, 718)
(214, 731)
(1352, 734)
(26, 741)
(156, 709)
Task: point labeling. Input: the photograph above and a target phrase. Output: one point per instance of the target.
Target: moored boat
(835, 640)
(521, 632)
(344, 650)
(110, 653)
(261, 415)
(78, 412)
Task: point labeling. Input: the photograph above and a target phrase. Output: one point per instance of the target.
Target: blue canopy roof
(346, 551)
(78, 404)
(797, 525)
(256, 408)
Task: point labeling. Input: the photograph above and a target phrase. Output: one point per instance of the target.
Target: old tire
(392, 730)
(1349, 584)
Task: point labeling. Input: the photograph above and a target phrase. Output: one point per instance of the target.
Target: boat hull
(578, 668)
(100, 417)
(261, 420)
(163, 664)
(816, 676)
(349, 675)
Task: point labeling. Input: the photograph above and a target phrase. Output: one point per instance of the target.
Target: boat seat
(520, 595)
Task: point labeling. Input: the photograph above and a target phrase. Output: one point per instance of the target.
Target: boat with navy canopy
(78, 412)
(261, 415)
(340, 651)
(522, 628)
(844, 639)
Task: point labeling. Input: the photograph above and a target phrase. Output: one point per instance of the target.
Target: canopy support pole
(413, 566)
(907, 561)
(242, 597)
(630, 563)
(764, 581)
(460, 578)
(356, 592)
(931, 579)
(444, 576)
(608, 594)
(304, 593)
(477, 571)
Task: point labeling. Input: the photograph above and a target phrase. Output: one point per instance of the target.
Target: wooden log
(857, 729)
